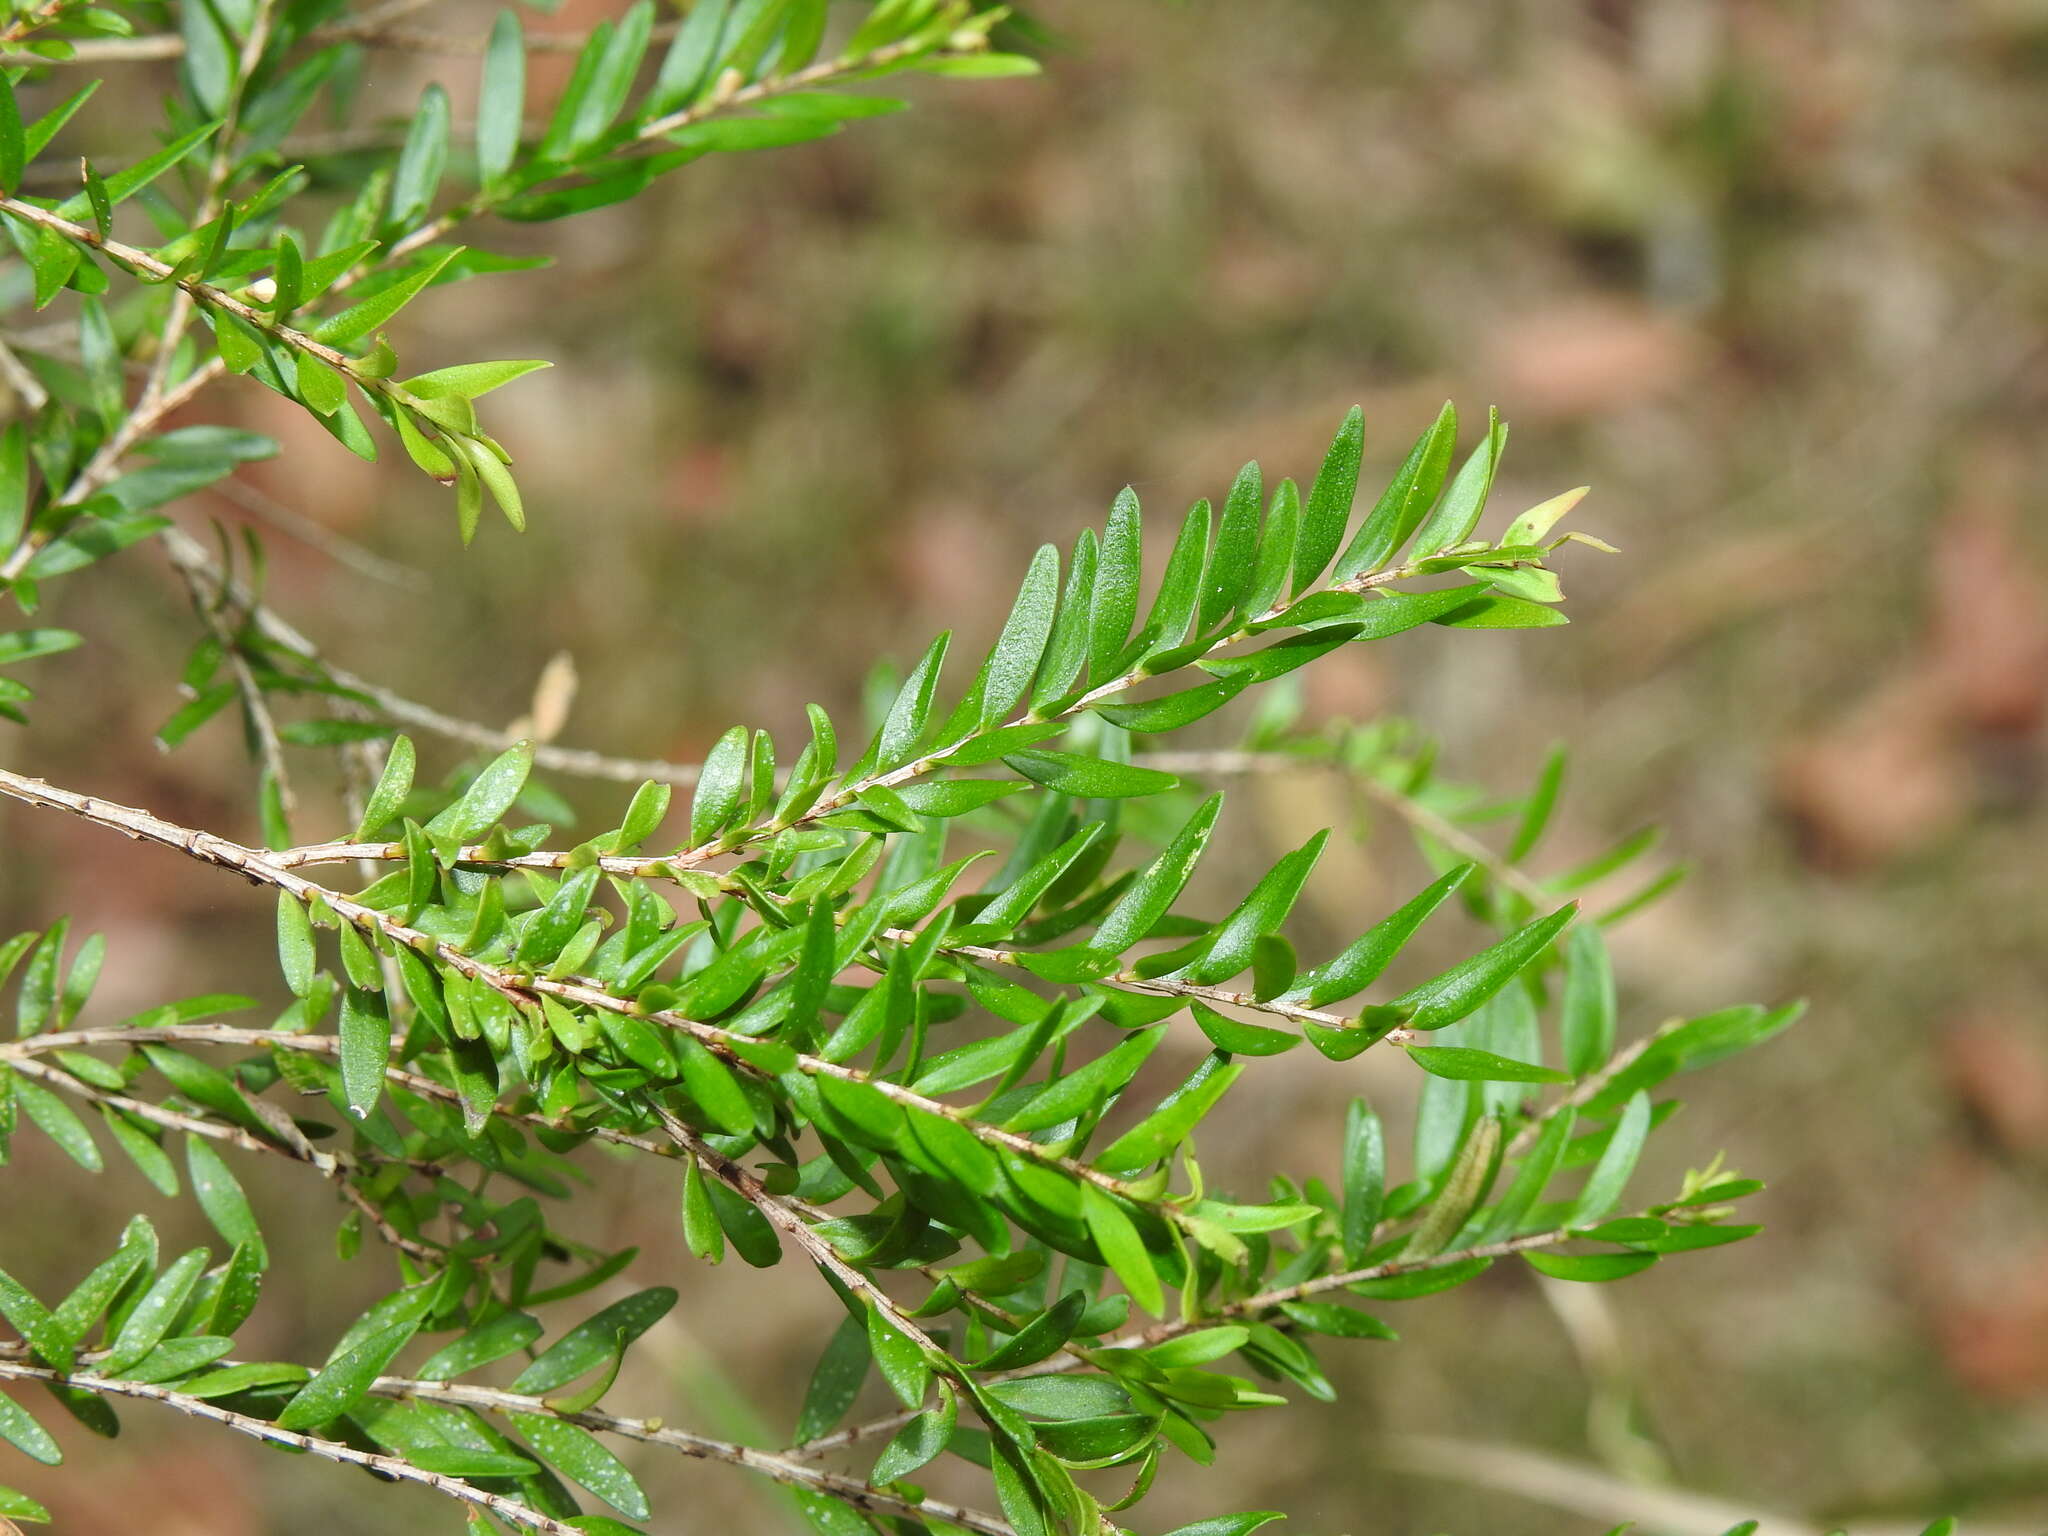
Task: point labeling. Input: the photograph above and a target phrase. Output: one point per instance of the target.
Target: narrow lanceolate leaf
(1067, 649)
(905, 724)
(393, 785)
(365, 1048)
(1328, 509)
(345, 1380)
(422, 160)
(576, 1454)
(296, 955)
(1589, 1006)
(488, 797)
(1122, 1249)
(36, 1324)
(1364, 1180)
(1115, 602)
(1229, 574)
(1014, 662)
(1409, 496)
(719, 784)
(220, 1196)
(595, 1340)
(501, 102)
(1361, 963)
(836, 1382)
(1610, 1175)
(1259, 914)
(1458, 514)
(145, 1326)
(1464, 1063)
(1152, 895)
(17, 1426)
(1460, 990)
(1088, 778)
(1464, 1187)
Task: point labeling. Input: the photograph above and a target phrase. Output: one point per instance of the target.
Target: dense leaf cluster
(937, 1005)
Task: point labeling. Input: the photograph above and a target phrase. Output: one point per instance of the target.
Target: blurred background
(1768, 275)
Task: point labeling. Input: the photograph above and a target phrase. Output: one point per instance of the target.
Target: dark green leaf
(1328, 509)
(345, 1380)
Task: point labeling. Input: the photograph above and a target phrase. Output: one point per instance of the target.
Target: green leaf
(1328, 509)
(1407, 498)
(1496, 610)
(501, 100)
(1013, 663)
(1239, 1038)
(719, 785)
(1068, 648)
(1259, 914)
(1154, 892)
(1458, 514)
(1459, 991)
(489, 796)
(468, 381)
(13, 148)
(575, 1453)
(365, 1048)
(1536, 810)
(1611, 1174)
(716, 1091)
(1588, 1018)
(1115, 601)
(17, 1427)
(17, 1505)
(221, 1197)
(1539, 1166)
(152, 1316)
(1088, 778)
(1364, 1180)
(1362, 962)
(504, 1335)
(1160, 1133)
(345, 1380)
(54, 1118)
(1040, 1338)
(905, 723)
(296, 955)
(594, 1340)
(394, 783)
(36, 1324)
(1589, 1267)
(421, 161)
(837, 1380)
(1464, 1063)
(1464, 1186)
(1171, 711)
(1339, 1322)
(1122, 1249)
(898, 1358)
(918, 1442)
(358, 320)
(1230, 1525)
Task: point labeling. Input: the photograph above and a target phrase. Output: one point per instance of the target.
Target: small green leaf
(1464, 1063)
(1611, 1174)
(719, 784)
(1459, 991)
(504, 1335)
(593, 1341)
(1122, 1249)
(575, 1453)
(1589, 1267)
(487, 799)
(836, 1381)
(365, 1048)
(1088, 778)
(345, 1380)
(1328, 509)
(220, 1196)
(501, 100)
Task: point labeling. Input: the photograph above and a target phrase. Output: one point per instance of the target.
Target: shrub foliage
(935, 1003)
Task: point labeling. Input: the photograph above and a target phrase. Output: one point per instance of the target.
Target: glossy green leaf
(1328, 509)
(345, 1379)
(1122, 1249)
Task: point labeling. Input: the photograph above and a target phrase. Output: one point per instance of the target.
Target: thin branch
(255, 707)
(317, 535)
(509, 1510)
(653, 1432)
